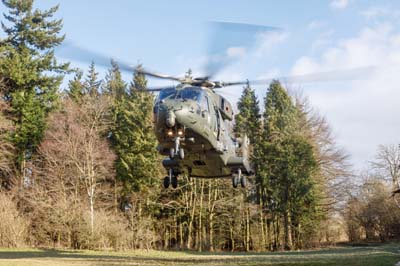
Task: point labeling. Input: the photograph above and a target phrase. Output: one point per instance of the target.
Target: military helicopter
(192, 125)
(193, 122)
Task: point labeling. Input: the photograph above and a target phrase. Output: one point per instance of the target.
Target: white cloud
(376, 12)
(364, 113)
(339, 4)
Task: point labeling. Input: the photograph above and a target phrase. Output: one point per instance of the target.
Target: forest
(79, 166)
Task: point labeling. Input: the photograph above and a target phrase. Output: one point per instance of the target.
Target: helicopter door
(218, 122)
(205, 111)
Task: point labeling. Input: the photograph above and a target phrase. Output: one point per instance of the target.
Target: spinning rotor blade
(71, 51)
(157, 75)
(230, 41)
(359, 73)
(155, 89)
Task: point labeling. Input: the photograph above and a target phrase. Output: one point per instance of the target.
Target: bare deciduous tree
(332, 160)
(388, 164)
(76, 150)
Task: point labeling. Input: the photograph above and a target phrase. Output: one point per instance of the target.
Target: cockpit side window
(204, 104)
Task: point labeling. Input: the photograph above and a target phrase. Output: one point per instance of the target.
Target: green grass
(379, 255)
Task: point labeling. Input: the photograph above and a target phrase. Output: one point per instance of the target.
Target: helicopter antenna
(188, 74)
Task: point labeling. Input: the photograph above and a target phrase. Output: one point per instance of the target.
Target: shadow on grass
(339, 250)
(371, 255)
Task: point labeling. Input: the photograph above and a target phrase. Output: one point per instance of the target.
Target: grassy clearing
(358, 256)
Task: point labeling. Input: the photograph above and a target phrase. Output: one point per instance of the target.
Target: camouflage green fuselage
(210, 151)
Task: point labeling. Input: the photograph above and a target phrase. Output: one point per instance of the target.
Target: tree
(6, 147)
(280, 113)
(76, 87)
(75, 143)
(332, 174)
(388, 164)
(92, 83)
(247, 121)
(285, 163)
(114, 85)
(134, 140)
(370, 213)
(31, 72)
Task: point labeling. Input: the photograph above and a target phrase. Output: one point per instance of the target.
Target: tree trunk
(248, 228)
(232, 238)
(91, 202)
(287, 231)
(200, 238)
(193, 204)
(262, 229)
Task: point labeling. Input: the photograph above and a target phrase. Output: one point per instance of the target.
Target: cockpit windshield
(166, 93)
(189, 94)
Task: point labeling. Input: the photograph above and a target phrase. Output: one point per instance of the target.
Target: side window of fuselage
(204, 104)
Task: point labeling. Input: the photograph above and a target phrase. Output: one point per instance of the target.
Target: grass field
(348, 256)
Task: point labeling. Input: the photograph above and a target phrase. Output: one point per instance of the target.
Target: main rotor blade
(230, 41)
(360, 73)
(157, 75)
(74, 52)
(160, 88)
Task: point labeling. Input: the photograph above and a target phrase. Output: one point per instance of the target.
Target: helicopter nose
(170, 119)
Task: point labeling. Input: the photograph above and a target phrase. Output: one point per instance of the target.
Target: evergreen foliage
(92, 83)
(285, 164)
(280, 113)
(248, 117)
(76, 87)
(133, 137)
(31, 71)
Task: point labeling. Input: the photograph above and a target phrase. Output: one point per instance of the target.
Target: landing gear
(177, 150)
(235, 181)
(239, 178)
(181, 154)
(243, 181)
(170, 179)
(166, 182)
(174, 181)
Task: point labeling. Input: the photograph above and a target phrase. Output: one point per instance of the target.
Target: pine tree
(134, 140)
(76, 87)
(285, 163)
(31, 72)
(92, 83)
(280, 113)
(114, 84)
(248, 118)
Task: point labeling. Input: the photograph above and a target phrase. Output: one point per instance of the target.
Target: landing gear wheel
(235, 181)
(181, 154)
(166, 182)
(171, 153)
(174, 181)
(243, 181)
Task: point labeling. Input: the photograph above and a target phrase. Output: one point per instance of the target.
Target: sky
(316, 35)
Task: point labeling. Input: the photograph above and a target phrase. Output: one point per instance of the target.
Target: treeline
(372, 211)
(79, 167)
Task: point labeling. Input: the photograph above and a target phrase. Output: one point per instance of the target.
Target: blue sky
(171, 36)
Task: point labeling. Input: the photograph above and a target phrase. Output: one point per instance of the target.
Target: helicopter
(192, 121)
(192, 124)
